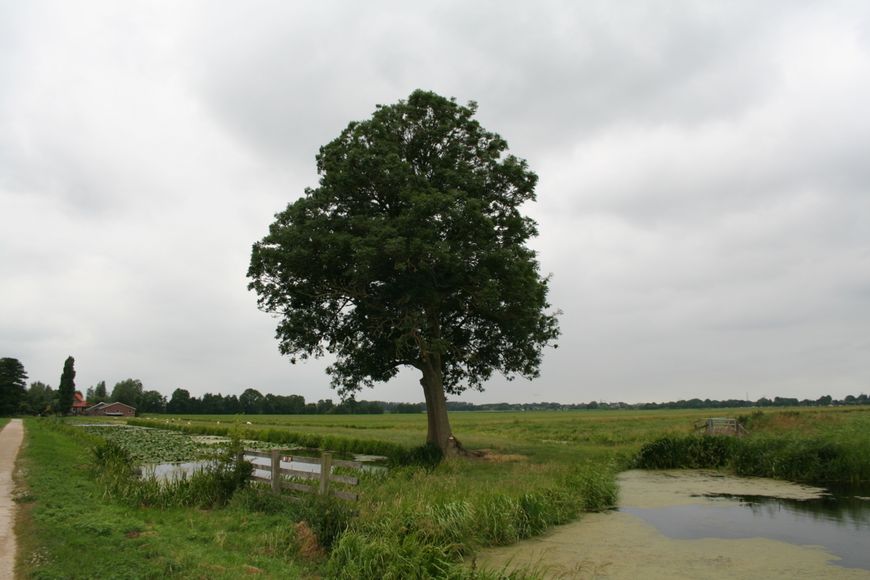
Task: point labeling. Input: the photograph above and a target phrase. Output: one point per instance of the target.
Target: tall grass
(427, 534)
(792, 457)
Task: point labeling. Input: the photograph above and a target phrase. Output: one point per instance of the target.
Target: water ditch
(839, 522)
(676, 524)
(262, 466)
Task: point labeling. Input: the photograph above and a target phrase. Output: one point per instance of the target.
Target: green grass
(540, 469)
(3, 421)
(813, 446)
(70, 530)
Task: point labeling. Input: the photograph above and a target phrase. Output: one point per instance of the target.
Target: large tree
(41, 398)
(128, 391)
(67, 387)
(13, 386)
(252, 401)
(410, 252)
(179, 402)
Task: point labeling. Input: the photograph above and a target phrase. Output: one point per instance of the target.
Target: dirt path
(620, 545)
(10, 440)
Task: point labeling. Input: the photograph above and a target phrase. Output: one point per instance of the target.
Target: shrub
(686, 452)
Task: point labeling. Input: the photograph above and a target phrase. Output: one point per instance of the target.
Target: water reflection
(840, 523)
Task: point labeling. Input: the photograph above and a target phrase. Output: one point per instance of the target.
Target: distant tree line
(824, 401)
(40, 399)
(253, 402)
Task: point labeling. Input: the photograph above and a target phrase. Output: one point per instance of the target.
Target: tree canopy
(67, 387)
(410, 252)
(13, 386)
(129, 392)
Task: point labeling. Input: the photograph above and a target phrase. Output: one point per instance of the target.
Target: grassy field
(3, 422)
(540, 469)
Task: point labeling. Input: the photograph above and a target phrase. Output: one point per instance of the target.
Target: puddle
(703, 524)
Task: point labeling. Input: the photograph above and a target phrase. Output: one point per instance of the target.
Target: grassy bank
(808, 446)
(69, 529)
(410, 522)
(538, 469)
(3, 421)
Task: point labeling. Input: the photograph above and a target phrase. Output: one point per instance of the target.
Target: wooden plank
(344, 479)
(301, 459)
(265, 454)
(304, 459)
(347, 479)
(261, 478)
(298, 487)
(300, 474)
(349, 495)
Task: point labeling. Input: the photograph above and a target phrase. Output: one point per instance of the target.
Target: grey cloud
(702, 204)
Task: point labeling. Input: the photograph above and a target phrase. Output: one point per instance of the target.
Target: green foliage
(410, 252)
(795, 458)
(67, 515)
(13, 384)
(211, 486)
(290, 438)
(66, 388)
(686, 452)
(811, 460)
(153, 445)
(428, 455)
(415, 521)
(41, 399)
(128, 391)
(412, 243)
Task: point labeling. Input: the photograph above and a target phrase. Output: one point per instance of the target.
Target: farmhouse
(79, 404)
(111, 410)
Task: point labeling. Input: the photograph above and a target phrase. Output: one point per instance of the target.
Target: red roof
(79, 401)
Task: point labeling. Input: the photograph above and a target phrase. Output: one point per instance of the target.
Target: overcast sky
(703, 204)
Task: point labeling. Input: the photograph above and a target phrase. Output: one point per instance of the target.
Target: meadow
(420, 519)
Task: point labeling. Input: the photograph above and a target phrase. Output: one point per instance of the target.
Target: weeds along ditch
(803, 446)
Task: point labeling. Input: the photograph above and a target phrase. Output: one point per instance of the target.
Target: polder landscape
(419, 518)
(255, 208)
(412, 254)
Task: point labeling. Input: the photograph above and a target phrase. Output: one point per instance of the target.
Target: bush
(810, 460)
(686, 452)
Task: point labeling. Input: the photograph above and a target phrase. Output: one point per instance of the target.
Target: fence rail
(278, 476)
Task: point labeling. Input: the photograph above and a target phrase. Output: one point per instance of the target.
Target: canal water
(839, 522)
(705, 524)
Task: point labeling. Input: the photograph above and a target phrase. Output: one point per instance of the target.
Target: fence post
(325, 470)
(276, 471)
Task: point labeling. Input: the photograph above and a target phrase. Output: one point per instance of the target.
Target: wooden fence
(321, 482)
(721, 426)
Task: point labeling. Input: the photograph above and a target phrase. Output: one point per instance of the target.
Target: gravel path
(10, 440)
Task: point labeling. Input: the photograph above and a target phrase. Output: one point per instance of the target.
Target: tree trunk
(439, 432)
